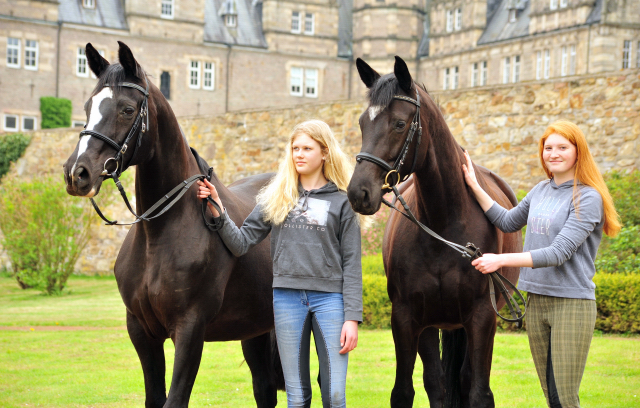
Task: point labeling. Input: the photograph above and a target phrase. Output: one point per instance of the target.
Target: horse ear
(368, 75)
(403, 76)
(128, 62)
(96, 62)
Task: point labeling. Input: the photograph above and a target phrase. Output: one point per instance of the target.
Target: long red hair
(586, 171)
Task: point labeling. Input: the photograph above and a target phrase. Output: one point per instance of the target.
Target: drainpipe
(228, 85)
(58, 59)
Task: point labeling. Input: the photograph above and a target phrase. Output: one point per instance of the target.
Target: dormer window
(229, 13)
(90, 4)
(513, 15)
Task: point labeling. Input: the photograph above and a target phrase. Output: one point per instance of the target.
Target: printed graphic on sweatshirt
(543, 213)
(315, 217)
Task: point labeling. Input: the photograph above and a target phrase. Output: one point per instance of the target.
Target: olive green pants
(560, 332)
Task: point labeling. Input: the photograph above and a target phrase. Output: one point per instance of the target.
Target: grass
(93, 364)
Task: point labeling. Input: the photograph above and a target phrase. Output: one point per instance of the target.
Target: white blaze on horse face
(373, 111)
(94, 118)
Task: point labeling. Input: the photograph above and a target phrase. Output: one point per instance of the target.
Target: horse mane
(115, 74)
(385, 88)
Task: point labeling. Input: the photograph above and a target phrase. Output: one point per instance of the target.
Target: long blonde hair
(281, 195)
(586, 171)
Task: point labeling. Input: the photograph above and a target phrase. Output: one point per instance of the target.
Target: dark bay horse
(176, 278)
(431, 287)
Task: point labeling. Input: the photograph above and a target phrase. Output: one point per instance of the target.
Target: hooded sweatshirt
(563, 242)
(317, 247)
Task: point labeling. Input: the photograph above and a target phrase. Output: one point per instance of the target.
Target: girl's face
(307, 155)
(559, 155)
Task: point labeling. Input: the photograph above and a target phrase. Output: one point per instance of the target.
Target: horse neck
(440, 185)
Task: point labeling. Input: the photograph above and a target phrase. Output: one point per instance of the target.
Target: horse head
(393, 143)
(121, 125)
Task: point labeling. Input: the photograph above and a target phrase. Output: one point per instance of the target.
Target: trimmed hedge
(12, 146)
(56, 112)
(375, 302)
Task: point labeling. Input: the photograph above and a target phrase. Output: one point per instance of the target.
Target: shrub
(620, 254)
(375, 302)
(56, 112)
(625, 191)
(12, 146)
(618, 299)
(372, 265)
(44, 231)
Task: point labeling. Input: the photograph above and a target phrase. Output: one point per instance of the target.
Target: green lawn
(88, 361)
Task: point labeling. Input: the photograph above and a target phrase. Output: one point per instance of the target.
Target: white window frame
(516, 69)
(484, 73)
(553, 4)
(194, 68)
(547, 64)
(35, 123)
(513, 15)
(296, 27)
(4, 122)
(626, 54)
(449, 18)
(572, 59)
(564, 61)
(82, 63)
(89, 4)
(309, 23)
(231, 20)
(14, 49)
(456, 78)
(474, 74)
(458, 19)
(445, 84)
(78, 123)
(539, 65)
(563, 3)
(506, 69)
(296, 79)
(167, 9)
(311, 82)
(208, 70)
(34, 50)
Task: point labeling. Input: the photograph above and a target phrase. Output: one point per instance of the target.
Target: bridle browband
(139, 127)
(470, 251)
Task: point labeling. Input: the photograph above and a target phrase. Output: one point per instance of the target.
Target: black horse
(176, 278)
(431, 287)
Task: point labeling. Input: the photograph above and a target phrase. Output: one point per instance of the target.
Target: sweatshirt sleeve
(510, 220)
(253, 231)
(350, 252)
(574, 232)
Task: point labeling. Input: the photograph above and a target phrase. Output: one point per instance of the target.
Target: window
(506, 70)
(295, 22)
(31, 55)
(553, 4)
(231, 20)
(194, 75)
(474, 74)
(10, 123)
(209, 76)
(89, 4)
(296, 81)
(513, 15)
(458, 25)
(449, 21)
(563, 3)
(626, 55)
(166, 10)
(311, 82)
(539, 65)
(547, 64)
(572, 60)
(564, 62)
(165, 84)
(516, 69)
(29, 122)
(13, 52)
(78, 123)
(445, 85)
(308, 23)
(82, 70)
(455, 83)
(483, 73)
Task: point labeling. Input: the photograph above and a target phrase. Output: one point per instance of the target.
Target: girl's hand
(207, 189)
(349, 336)
(469, 172)
(488, 263)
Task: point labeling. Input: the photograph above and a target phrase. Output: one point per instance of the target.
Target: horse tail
(275, 362)
(454, 349)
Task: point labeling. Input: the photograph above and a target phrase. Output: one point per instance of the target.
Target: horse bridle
(139, 127)
(470, 251)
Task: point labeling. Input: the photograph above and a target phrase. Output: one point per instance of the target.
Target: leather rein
(470, 250)
(139, 127)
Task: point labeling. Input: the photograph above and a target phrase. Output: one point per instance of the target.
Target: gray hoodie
(317, 247)
(563, 243)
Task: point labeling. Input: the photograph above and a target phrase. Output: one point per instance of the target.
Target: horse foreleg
(260, 353)
(480, 333)
(429, 349)
(151, 354)
(189, 342)
(406, 344)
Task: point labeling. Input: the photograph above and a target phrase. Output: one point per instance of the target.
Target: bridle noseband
(470, 251)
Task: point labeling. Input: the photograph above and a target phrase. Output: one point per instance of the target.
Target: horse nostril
(80, 177)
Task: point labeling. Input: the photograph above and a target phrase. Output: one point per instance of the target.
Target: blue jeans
(297, 313)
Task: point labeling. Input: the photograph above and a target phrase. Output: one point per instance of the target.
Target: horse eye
(400, 125)
(129, 111)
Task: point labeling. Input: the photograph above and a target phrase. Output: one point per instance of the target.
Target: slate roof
(499, 28)
(248, 30)
(107, 13)
(596, 14)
